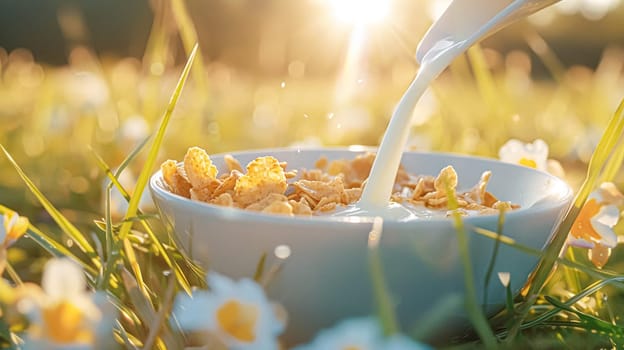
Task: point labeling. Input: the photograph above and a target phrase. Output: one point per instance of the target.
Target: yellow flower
(237, 313)
(593, 228)
(13, 227)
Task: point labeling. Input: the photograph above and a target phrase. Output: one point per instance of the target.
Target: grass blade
(548, 57)
(602, 273)
(146, 172)
(490, 268)
(188, 34)
(385, 309)
(67, 227)
(589, 321)
(160, 316)
(484, 79)
(153, 152)
(260, 267)
(615, 165)
(475, 314)
(573, 300)
(113, 177)
(53, 247)
(146, 312)
(597, 163)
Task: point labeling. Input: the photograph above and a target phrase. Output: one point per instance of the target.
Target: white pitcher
(468, 21)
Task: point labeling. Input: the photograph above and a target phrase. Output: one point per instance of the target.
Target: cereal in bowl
(268, 186)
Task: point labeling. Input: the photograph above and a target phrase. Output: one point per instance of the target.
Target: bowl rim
(156, 186)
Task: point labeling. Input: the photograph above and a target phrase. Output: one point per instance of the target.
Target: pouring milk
(462, 24)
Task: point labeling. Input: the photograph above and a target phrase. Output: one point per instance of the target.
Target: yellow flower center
(63, 324)
(582, 227)
(238, 320)
(528, 162)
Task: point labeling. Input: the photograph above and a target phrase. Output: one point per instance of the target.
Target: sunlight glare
(360, 12)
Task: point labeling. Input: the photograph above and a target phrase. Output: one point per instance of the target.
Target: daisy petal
(608, 215)
(63, 279)
(360, 333)
(581, 243)
(608, 236)
(194, 313)
(220, 284)
(534, 154)
(401, 342)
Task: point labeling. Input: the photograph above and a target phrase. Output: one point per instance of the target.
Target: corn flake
(264, 176)
(177, 183)
(199, 168)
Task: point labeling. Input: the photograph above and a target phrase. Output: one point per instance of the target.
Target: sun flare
(360, 12)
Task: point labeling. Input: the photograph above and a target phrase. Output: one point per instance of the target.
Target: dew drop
(282, 251)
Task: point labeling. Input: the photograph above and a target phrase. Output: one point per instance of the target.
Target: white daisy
(352, 334)
(534, 155)
(64, 315)
(360, 334)
(401, 342)
(238, 313)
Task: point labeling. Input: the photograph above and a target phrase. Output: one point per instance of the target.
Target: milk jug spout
(469, 21)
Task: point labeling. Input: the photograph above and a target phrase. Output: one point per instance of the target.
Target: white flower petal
(581, 243)
(401, 342)
(104, 327)
(608, 236)
(3, 230)
(12, 221)
(514, 151)
(219, 283)
(194, 313)
(555, 168)
(63, 280)
(360, 333)
(39, 344)
(508, 152)
(608, 216)
(538, 147)
(611, 194)
(504, 278)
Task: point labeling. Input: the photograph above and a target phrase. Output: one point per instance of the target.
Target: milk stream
(375, 200)
(376, 194)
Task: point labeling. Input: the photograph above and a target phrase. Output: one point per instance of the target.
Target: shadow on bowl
(325, 276)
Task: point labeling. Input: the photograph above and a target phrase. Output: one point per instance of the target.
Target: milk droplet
(282, 251)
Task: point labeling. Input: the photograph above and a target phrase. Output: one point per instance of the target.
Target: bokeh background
(78, 77)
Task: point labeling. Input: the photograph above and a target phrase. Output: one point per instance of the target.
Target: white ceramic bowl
(326, 277)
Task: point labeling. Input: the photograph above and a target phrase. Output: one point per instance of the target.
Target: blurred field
(52, 115)
(523, 84)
